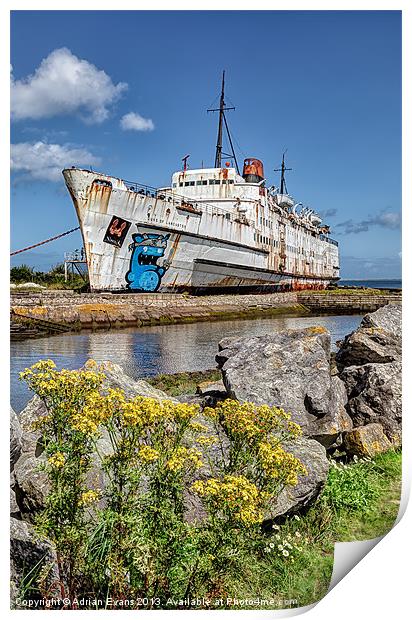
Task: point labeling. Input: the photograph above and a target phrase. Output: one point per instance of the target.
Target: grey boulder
(15, 438)
(388, 319)
(291, 370)
(116, 377)
(377, 339)
(27, 555)
(375, 395)
(31, 439)
(328, 429)
(32, 485)
(294, 498)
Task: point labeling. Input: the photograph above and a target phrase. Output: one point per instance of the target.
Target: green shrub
(132, 539)
(352, 486)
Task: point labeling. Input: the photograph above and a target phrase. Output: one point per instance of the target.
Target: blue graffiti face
(144, 273)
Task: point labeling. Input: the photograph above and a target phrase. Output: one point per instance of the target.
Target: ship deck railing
(168, 195)
(329, 240)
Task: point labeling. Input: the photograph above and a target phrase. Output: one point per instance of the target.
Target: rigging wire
(30, 247)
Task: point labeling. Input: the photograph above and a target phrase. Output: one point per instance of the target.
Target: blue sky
(127, 92)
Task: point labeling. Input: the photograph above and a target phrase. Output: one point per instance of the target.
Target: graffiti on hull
(144, 273)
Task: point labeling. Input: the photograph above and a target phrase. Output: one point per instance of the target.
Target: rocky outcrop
(32, 485)
(15, 438)
(388, 319)
(375, 396)
(366, 441)
(14, 508)
(292, 499)
(370, 365)
(377, 340)
(116, 377)
(291, 370)
(28, 554)
(328, 429)
(207, 388)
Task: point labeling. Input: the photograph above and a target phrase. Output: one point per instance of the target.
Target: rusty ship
(213, 230)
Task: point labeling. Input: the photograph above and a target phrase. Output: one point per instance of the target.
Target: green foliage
(307, 578)
(349, 487)
(183, 382)
(53, 279)
(22, 273)
(355, 487)
(137, 543)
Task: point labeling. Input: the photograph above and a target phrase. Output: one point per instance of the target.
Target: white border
(379, 585)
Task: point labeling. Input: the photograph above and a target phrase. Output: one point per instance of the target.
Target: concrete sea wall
(331, 302)
(93, 311)
(54, 311)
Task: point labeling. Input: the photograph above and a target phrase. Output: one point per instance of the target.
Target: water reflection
(152, 350)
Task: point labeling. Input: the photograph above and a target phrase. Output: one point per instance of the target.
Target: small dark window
(102, 183)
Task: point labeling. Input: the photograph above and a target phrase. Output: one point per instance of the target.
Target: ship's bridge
(209, 184)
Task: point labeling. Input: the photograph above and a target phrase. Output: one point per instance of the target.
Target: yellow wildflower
(205, 440)
(279, 464)
(197, 427)
(148, 454)
(89, 497)
(234, 496)
(247, 419)
(57, 460)
(189, 457)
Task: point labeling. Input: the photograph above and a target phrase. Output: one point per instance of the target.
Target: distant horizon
(371, 279)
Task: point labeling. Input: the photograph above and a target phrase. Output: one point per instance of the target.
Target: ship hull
(138, 243)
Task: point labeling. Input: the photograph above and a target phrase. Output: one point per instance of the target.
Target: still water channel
(150, 351)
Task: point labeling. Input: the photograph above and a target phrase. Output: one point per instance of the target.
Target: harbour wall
(47, 312)
(348, 302)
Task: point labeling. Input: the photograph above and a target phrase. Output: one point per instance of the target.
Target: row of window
(264, 222)
(205, 182)
(290, 248)
(266, 240)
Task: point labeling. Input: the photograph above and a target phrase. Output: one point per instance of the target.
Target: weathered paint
(221, 233)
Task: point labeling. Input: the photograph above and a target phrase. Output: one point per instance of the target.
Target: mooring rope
(30, 247)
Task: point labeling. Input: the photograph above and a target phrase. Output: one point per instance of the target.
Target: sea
(389, 284)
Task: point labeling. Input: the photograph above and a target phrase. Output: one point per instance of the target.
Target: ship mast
(222, 121)
(282, 170)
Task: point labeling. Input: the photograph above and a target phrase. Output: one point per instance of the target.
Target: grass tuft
(183, 382)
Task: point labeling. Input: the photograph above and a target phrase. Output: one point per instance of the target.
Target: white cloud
(133, 121)
(65, 84)
(43, 161)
